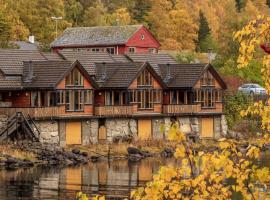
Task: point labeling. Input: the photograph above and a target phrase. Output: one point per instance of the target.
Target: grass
(8, 150)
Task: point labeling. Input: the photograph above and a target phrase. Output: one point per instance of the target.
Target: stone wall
(120, 127)
(224, 126)
(3, 122)
(48, 131)
(90, 132)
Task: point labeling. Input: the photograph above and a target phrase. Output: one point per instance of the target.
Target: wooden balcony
(191, 109)
(113, 110)
(42, 112)
(175, 109)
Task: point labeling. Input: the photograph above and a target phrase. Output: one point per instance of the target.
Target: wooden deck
(174, 109)
(42, 112)
(191, 109)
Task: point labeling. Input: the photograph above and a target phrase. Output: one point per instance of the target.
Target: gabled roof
(187, 75)
(154, 59)
(47, 74)
(121, 75)
(98, 35)
(12, 60)
(86, 58)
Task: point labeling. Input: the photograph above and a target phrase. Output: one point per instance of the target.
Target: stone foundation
(3, 121)
(48, 131)
(120, 127)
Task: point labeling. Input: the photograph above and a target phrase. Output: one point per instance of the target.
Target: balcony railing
(42, 112)
(191, 109)
(174, 109)
(113, 110)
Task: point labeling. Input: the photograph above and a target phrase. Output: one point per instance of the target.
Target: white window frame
(107, 48)
(134, 48)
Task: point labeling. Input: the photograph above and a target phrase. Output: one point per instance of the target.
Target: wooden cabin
(113, 99)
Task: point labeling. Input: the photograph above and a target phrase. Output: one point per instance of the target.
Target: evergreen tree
(204, 33)
(240, 4)
(268, 3)
(140, 10)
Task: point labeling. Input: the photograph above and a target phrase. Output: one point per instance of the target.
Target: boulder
(133, 150)
(76, 151)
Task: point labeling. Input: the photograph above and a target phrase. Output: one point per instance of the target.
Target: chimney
(168, 73)
(104, 72)
(30, 75)
(31, 39)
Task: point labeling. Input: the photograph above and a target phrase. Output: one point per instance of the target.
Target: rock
(85, 154)
(76, 151)
(94, 158)
(133, 150)
(167, 153)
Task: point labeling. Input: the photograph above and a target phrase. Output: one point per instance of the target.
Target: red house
(111, 39)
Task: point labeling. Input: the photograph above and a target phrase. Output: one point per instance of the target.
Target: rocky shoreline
(50, 154)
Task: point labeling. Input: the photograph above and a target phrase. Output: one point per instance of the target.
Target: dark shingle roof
(120, 58)
(12, 60)
(154, 59)
(10, 82)
(182, 75)
(86, 58)
(47, 74)
(99, 35)
(121, 75)
(52, 56)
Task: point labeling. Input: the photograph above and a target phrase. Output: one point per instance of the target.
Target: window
(156, 96)
(116, 98)
(207, 79)
(132, 50)
(198, 96)
(75, 78)
(51, 98)
(207, 99)
(218, 95)
(133, 96)
(60, 97)
(179, 97)
(142, 37)
(109, 98)
(110, 50)
(145, 99)
(88, 97)
(145, 79)
(34, 99)
(95, 50)
(75, 100)
(152, 50)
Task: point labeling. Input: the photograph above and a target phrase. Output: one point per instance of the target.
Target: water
(114, 179)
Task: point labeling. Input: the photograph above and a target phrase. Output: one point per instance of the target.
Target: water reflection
(114, 179)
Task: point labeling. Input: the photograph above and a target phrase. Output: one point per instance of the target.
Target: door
(73, 133)
(102, 134)
(144, 129)
(207, 127)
